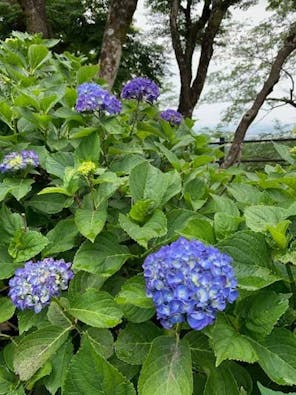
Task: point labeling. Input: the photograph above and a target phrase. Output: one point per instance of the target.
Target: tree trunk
(35, 16)
(203, 31)
(119, 19)
(274, 76)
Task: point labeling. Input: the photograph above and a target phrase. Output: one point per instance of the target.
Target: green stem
(292, 284)
(135, 118)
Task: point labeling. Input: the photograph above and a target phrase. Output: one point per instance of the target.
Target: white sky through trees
(209, 115)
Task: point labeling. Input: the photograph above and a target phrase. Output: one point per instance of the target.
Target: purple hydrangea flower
(92, 97)
(33, 286)
(19, 160)
(189, 281)
(141, 89)
(172, 116)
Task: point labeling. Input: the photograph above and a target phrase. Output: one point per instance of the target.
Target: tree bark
(35, 16)
(202, 31)
(288, 47)
(119, 19)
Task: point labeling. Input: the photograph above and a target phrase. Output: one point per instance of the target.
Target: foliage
(80, 29)
(109, 191)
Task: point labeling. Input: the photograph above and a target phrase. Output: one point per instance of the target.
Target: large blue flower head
(33, 286)
(93, 97)
(19, 160)
(172, 116)
(141, 89)
(189, 281)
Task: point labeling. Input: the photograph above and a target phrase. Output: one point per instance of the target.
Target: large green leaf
(37, 55)
(101, 340)
(133, 292)
(104, 257)
(267, 391)
(89, 373)
(277, 356)
(49, 204)
(90, 222)
(7, 309)
(198, 228)
(16, 187)
(167, 369)
(247, 194)
(26, 244)
(9, 224)
(7, 381)
(156, 226)
(259, 218)
(89, 148)
(251, 259)
(60, 363)
(96, 308)
(148, 182)
(228, 343)
(61, 238)
(262, 311)
(134, 342)
(36, 348)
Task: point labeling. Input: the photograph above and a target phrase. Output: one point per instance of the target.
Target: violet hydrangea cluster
(140, 88)
(189, 281)
(34, 285)
(93, 97)
(19, 160)
(172, 116)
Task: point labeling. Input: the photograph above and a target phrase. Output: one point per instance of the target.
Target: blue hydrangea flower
(33, 286)
(172, 116)
(141, 89)
(189, 281)
(19, 160)
(93, 97)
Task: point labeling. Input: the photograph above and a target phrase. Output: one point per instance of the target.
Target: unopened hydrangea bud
(86, 167)
(141, 89)
(172, 116)
(93, 97)
(189, 281)
(19, 160)
(34, 285)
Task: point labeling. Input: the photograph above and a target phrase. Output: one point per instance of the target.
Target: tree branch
(288, 47)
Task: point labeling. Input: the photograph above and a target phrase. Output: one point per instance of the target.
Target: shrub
(87, 197)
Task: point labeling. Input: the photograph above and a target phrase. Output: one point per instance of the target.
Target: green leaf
(141, 209)
(278, 233)
(259, 218)
(89, 373)
(96, 308)
(56, 163)
(277, 356)
(167, 369)
(60, 363)
(262, 311)
(133, 292)
(7, 266)
(284, 152)
(230, 344)
(61, 238)
(7, 309)
(101, 340)
(267, 391)
(57, 316)
(17, 187)
(26, 244)
(197, 228)
(225, 225)
(6, 113)
(225, 205)
(37, 55)
(61, 190)
(156, 226)
(28, 319)
(9, 224)
(148, 182)
(91, 222)
(134, 342)
(251, 259)
(49, 204)
(104, 257)
(194, 193)
(89, 148)
(86, 73)
(36, 348)
(44, 371)
(7, 381)
(247, 194)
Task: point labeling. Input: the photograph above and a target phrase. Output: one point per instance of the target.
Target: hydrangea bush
(130, 263)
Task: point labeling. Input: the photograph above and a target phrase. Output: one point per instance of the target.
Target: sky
(209, 115)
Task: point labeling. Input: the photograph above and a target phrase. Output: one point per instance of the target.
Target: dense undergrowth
(104, 193)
